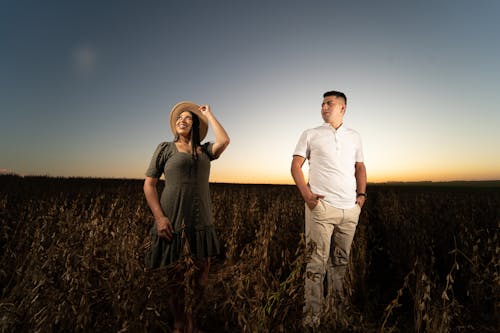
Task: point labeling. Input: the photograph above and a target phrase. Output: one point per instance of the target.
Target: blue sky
(86, 87)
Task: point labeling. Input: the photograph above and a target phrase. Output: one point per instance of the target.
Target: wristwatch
(361, 195)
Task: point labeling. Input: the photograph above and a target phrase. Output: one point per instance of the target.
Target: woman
(183, 214)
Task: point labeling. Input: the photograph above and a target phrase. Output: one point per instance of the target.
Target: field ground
(426, 258)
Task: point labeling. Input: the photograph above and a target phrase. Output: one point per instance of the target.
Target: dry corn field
(425, 259)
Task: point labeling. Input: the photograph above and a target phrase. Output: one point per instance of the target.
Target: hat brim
(193, 108)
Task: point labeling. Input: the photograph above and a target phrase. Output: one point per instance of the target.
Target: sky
(86, 87)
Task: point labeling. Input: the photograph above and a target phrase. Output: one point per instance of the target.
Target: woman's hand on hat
(205, 110)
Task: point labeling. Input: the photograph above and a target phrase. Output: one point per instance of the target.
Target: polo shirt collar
(338, 130)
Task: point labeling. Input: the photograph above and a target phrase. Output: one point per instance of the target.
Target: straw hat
(191, 107)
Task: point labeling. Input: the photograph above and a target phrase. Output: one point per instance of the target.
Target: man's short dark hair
(336, 94)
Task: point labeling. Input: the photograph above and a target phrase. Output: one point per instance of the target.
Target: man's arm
(360, 174)
(310, 198)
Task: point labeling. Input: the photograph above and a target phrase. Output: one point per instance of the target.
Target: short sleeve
(207, 148)
(302, 147)
(157, 164)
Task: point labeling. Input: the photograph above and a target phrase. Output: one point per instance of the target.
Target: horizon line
(13, 174)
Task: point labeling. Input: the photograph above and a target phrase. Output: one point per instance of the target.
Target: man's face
(332, 108)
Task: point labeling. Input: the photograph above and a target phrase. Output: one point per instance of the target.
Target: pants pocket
(354, 214)
(319, 207)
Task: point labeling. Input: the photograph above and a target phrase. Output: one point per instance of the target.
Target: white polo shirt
(332, 154)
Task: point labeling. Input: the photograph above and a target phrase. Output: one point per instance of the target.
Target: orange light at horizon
(375, 177)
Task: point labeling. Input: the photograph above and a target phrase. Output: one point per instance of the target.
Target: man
(333, 199)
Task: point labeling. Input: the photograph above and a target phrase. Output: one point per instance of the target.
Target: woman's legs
(176, 299)
(201, 281)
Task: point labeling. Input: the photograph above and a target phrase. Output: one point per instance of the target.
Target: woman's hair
(195, 135)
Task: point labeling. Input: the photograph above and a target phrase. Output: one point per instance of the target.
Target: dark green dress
(185, 200)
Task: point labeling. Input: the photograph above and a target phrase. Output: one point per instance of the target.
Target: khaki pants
(332, 231)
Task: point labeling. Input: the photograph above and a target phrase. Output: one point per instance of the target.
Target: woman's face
(184, 123)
